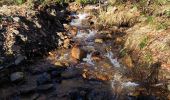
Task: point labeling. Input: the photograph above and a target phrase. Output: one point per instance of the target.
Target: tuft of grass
(148, 57)
(161, 2)
(112, 2)
(123, 52)
(143, 43)
(150, 19)
(167, 13)
(119, 16)
(162, 26)
(20, 1)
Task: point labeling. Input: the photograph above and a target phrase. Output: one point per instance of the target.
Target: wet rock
(7, 94)
(119, 40)
(35, 96)
(146, 97)
(41, 97)
(43, 79)
(71, 73)
(66, 26)
(100, 95)
(77, 53)
(76, 95)
(99, 40)
(45, 87)
(17, 76)
(58, 64)
(67, 43)
(27, 89)
(73, 31)
(19, 59)
(55, 74)
(16, 19)
(1, 43)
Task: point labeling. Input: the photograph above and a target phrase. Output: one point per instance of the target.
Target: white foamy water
(115, 63)
(78, 21)
(86, 34)
(130, 84)
(88, 59)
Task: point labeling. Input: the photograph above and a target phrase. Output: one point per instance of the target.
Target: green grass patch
(20, 1)
(161, 26)
(150, 19)
(123, 52)
(167, 13)
(143, 43)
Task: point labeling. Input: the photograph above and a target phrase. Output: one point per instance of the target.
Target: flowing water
(97, 76)
(106, 67)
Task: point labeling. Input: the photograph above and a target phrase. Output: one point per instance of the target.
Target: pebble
(17, 76)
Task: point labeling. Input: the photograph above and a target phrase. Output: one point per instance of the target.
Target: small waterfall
(115, 63)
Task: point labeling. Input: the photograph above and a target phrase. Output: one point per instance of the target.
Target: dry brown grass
(119, 16)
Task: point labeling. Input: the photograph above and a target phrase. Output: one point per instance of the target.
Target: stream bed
(87, 68)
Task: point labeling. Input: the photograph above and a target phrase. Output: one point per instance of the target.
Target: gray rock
(27, 89)
(43, 79)
(19, 59)
(71, 73)
(45, 87)
(17, 76)
(1, 43)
